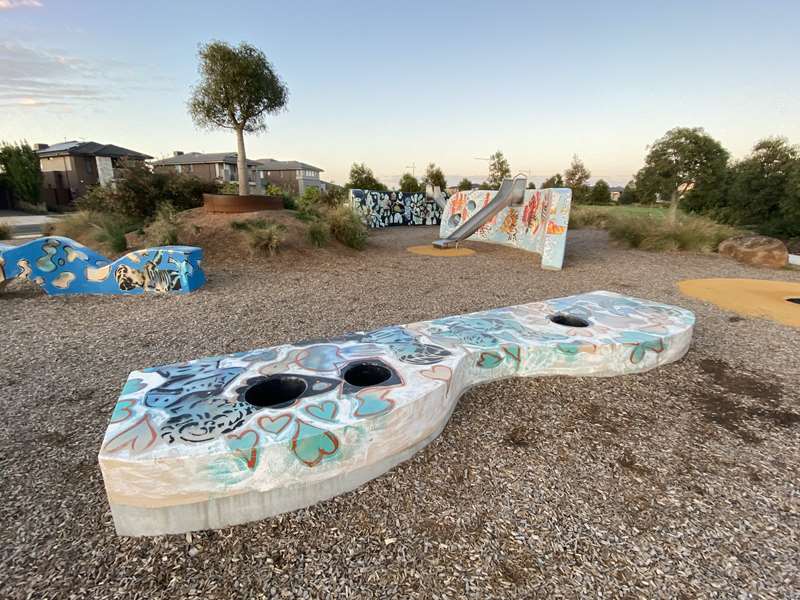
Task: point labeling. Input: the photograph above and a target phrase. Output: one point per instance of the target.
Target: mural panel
(60, 265)
(232, 438)
(538, 225)
(383, 209)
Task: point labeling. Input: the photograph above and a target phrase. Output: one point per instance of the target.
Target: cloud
(11, 4)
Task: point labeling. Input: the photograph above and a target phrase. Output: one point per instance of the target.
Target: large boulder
(757, 250)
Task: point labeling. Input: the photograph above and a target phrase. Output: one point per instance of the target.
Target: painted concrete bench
(60, 265)
(240, 437)
(538, 225)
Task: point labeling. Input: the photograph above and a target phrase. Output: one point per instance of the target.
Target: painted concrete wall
(539, 225)
(63, 266)
(383, 209)
(185, 449)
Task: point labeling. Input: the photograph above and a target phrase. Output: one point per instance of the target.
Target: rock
(757, 250)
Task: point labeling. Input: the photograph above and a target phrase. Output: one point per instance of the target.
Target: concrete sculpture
(383, 209)
(537, 224)
(235, 438)
(60, 265)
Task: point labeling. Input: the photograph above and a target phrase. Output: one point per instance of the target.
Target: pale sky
(398, 83)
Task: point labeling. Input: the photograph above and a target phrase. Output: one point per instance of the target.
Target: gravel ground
(681, 482)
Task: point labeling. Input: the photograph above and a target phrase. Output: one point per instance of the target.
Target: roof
(270, 164)
(90, 149)
(200, 158)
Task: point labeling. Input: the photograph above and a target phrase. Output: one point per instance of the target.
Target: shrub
(262, 235)
(289, 203)
(347, 227)
(5, 231)
(249, 224)
(274, 190)
(229, 187)
(583, 216)
(93, 229)
(657, 234)
(19, 165)
(139, 192)
(166, 229)
(319, 233)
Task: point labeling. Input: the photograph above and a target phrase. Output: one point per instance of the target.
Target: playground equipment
(60, 265)
(533, 220)
(384, 209)
(240, 437)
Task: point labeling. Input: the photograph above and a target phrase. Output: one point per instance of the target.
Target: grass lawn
(631, 209)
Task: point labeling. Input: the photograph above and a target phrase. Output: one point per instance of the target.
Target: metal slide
(511, 192)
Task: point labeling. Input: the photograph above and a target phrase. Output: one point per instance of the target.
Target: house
(221, 167)
(70, 168)
(290, 175)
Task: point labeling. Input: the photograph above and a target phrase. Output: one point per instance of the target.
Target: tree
(21, 171)
(435, 177)
(576, 178)
(629, 194)
(498, 169)
(362, 178)
(685, 162)
(554, 182)
(238, 88)
(600, 194)
(531, 185)
(409, 183)
(764, 189)
(465, 185)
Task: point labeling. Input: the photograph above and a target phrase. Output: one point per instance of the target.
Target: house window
(191, 168)
(178, 169)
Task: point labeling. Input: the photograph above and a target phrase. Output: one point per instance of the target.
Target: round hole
(471, 205)
(365, 374)
(276, 392)
(569, 320)
(793, 300)
(454, 220)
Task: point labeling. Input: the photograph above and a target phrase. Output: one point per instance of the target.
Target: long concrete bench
(60, 265)
(239, 437)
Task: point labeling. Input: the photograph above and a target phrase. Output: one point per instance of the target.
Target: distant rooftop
(75, 148)
(270, 164)
(199, 158)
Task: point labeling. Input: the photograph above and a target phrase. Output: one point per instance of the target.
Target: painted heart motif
(311, 444)
(373, 402)
(489, 360)
(324, 410)
(139, 436)
(122, 410)
(274, 425)
(244, 446)
(439, 373)
(319, 358)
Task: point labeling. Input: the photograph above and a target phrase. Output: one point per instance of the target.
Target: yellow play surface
(429, 250)
(752, 297)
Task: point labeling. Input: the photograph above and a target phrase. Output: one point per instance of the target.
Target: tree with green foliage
(238, 88)
(684, 163)
(434, 177)
(553, 182)
(764, 189)
(21, 172)
(465, 185)
(498, 170)
(362, 178)
(629, 194)
(600, 194)
(576, 178)
(409, 184)
(531, 185)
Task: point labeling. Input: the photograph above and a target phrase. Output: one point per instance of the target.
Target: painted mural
(320, 413)
(538, 225)
(60, 265)
(384, 209)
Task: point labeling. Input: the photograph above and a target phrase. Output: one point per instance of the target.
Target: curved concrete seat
(60, 265)
(234, 438)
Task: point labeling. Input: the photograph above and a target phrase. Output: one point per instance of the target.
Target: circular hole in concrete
(569, 320)
(279, 391)
(793, 300)
(366, 374)
(471, 205)
(454, 220)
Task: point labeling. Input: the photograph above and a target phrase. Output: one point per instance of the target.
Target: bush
(583, 216)
(166, 229)
(229, 187)
(347, 227)
(657, 234)
(262, 235)
(289, 202)
(93, 229)
(5, 231)
(319, 233)
(139, 192)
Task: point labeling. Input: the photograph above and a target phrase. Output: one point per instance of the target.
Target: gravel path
(682, 482)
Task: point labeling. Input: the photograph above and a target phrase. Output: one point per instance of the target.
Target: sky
(396, 84)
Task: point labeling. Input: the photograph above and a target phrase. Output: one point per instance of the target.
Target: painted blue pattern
(383, 209)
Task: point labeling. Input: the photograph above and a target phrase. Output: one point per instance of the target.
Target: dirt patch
(736, 416)
(740, 382)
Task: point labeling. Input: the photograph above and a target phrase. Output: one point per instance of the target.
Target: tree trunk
(672, 213)
(241, 164)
